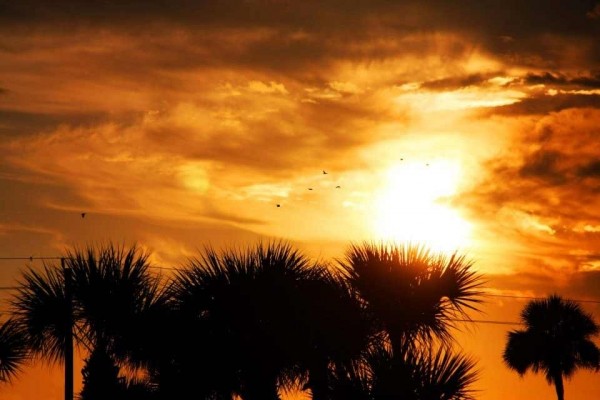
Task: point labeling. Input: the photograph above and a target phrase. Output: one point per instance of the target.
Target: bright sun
(411, 207)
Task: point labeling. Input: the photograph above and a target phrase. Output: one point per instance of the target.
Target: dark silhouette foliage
(556, 341)
(13, 349)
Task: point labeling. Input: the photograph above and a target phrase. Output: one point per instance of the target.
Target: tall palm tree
(335, 330)
(13, 349)
(243, 300)
(412, 293)
(268, 317)
(111, 289)
(557, 340)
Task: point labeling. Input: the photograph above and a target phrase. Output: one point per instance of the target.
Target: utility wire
(487, 321)
(537, 298)
(32, 258)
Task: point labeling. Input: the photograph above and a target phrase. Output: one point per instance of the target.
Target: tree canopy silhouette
(272, 316)
(111, 290)
(252, 322)
(13, 349)
(412, 296)
(412, 292)
(557, 340)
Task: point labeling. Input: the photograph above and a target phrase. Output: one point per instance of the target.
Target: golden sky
(469, 124)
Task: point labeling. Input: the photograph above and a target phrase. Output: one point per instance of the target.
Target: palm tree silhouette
(413, 297)
(111, 290)
(335, 329)
(557, 340)
(271, 317)
(13, 349)
(424, 374)
(412, 293)
(245, 300)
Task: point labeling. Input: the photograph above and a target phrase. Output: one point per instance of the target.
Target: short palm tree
(557, 340)
(13, 349)
(418, 374)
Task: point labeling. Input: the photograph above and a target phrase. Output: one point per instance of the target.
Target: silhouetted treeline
(251, 323)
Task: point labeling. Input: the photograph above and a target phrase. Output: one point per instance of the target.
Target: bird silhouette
(324, 172)
(338, 187)
(83, 215)
(310, 188)
(278, 205)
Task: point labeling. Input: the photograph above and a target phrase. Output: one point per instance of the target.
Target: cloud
(204, 110)
(193, 160)
(543, 189)
(590, 170)
(288, 36)
(558, 79)
(458, 82)
(542, 104)
(594, 13)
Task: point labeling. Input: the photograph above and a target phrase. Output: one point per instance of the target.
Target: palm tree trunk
(558, 385)
(68, 276)
(317, 381)
(259, 388)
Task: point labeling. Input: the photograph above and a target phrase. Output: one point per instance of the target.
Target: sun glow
(411, 207)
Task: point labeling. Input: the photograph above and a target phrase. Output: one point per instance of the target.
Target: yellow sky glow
(411, 206)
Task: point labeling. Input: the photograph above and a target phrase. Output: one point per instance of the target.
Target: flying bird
(310, 188)
(83, 215)
(338, 187)
(324, 172)
(278, 205)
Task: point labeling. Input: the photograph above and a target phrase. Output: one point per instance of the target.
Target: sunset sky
(174, 124)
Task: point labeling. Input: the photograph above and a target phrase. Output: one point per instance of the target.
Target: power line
(487, 321)
(68, 258)
(31, 258)
(537, 298)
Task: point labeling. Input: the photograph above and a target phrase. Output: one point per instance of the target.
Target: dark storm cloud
(561, 154)
(19, 123)
(522, 32)
(516, 15)
(543, 191)
(457, 82)
(590, 170)
(544, 104)
(544, 165)
(558, 79)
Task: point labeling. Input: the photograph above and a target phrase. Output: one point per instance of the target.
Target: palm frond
(444, 375)
(415, 293)
(13, 349)
(40, 306)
